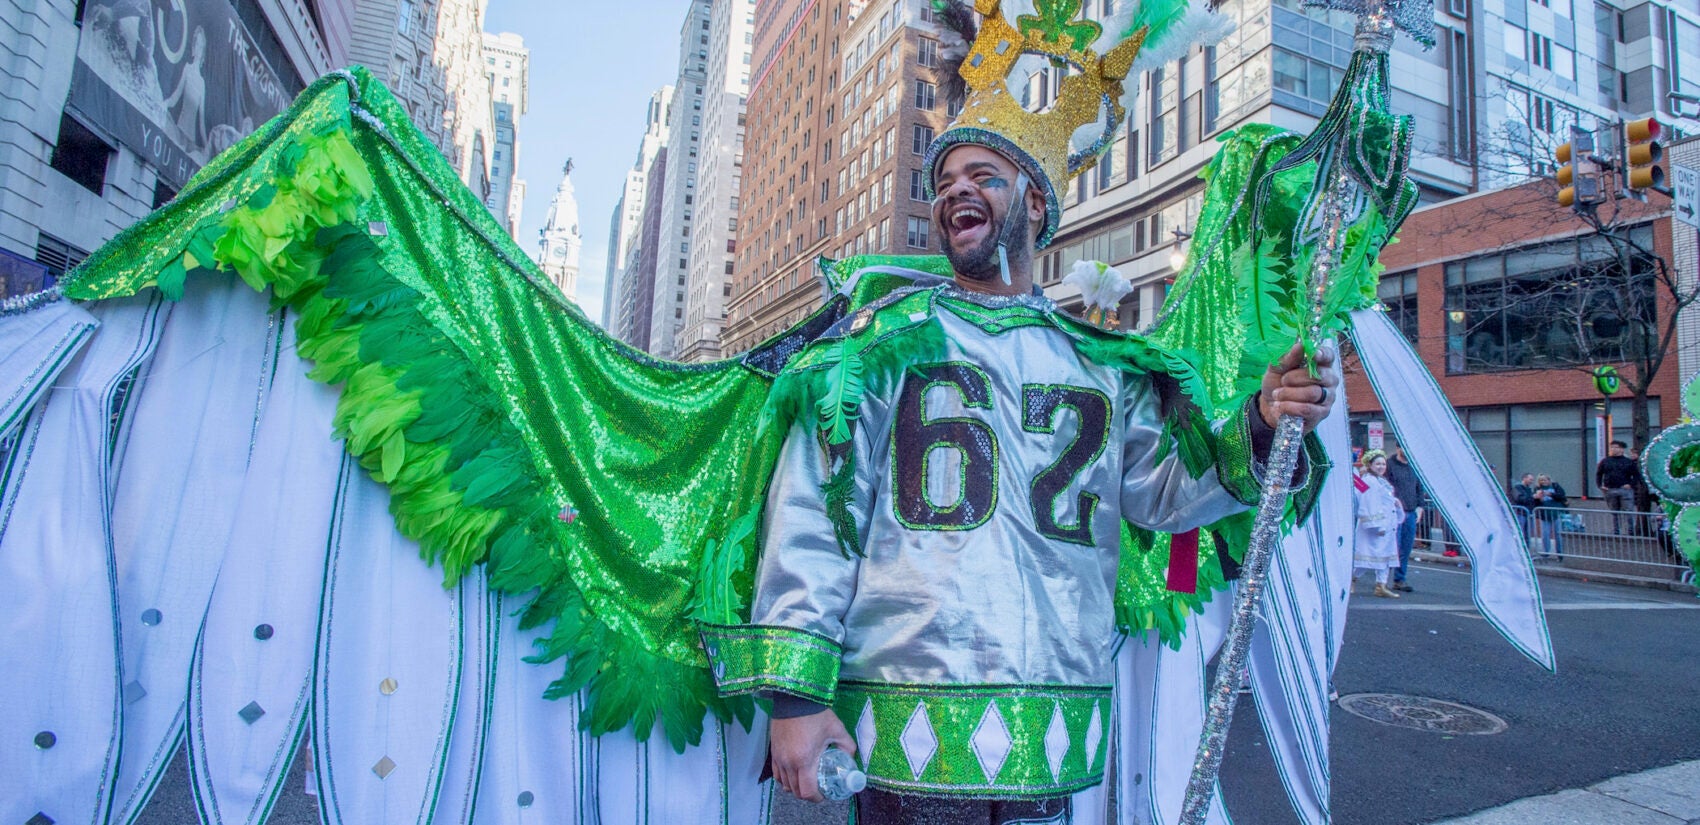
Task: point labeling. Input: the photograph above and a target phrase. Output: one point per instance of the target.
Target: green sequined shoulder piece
(510, 430)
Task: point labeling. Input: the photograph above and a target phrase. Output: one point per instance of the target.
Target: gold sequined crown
(1040, 142)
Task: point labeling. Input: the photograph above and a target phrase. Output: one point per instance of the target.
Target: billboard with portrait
(176, 81)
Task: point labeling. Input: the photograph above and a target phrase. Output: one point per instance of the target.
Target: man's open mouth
(967, 222)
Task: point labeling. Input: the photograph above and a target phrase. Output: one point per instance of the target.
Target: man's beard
(980, 262)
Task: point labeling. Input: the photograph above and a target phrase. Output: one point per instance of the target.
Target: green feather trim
(413, 409)
(1143, 602)
(841, 403)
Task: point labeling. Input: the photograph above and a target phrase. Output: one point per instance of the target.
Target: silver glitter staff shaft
(1374, 33)
(1265, 537)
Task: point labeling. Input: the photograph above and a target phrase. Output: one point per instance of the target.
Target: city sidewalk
(1674, 585)
(1662, 796)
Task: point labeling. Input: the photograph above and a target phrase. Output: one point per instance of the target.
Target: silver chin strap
(1017, 198)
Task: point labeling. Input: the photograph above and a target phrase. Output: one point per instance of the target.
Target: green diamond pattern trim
(992, 741)
(752, 658)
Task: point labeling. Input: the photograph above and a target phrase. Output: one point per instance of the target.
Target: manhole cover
(1423, 713)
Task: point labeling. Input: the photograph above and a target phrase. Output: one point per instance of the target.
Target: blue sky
(593, 67)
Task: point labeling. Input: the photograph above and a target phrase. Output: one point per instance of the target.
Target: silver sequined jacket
(969, 648)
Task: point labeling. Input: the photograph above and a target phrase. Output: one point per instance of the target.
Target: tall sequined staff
(1361, 153)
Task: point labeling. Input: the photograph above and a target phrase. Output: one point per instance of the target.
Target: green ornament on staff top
(1606, 380)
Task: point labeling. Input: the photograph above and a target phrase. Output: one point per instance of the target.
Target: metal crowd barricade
(1607, 541)
(1434, 534)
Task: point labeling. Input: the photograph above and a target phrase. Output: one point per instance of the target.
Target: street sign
(1376, 438)
(1685, 195)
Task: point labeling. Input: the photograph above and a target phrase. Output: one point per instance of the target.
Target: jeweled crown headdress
(1043, 143)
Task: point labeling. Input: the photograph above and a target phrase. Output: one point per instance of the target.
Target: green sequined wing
(510, 431)
(1236, 306)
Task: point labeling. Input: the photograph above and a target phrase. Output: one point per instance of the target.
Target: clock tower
(559, 247)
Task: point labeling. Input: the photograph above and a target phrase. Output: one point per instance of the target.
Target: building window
(162, 193)
(885, 233)
(923, 138)
(1550, 306)
(1557, 439)
(929, 52)
(1398, 292)
(1298, 75)
(917, 186)
(79, 154)
(919, 229)
(1540, 50)
(924, 95)
(1461, 133)
(1165, 115)
(1516, 42)
(59, 257)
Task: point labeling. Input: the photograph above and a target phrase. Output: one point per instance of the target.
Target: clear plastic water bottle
(838, 776)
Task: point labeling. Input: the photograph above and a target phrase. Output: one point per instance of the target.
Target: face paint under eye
(994, 183)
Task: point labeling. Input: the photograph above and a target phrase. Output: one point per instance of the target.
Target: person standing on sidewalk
(1550, 503)
(1409, 490)
(1523, 496)
(1617, 476)
(1375, 547)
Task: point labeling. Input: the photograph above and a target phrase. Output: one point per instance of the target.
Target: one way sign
(1685, 195)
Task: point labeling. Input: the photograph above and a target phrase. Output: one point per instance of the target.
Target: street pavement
(1623, 701)
(1622, 705)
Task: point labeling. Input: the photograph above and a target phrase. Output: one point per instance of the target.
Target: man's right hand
(796, 745)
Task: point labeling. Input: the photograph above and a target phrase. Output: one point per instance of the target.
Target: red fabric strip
(1183, 562)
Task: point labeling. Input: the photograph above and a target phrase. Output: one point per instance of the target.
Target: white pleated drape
(1460, 485)
(189, 559)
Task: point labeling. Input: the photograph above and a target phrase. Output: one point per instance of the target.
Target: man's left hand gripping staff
(1290, 389)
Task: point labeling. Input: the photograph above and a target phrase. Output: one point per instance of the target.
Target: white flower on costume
(1101, 285)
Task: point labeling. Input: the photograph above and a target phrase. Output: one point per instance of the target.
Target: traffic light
(1639, 161)
(1578, 175)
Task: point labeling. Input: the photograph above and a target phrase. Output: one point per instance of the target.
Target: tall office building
(1490, 101)
(714, 233)
(559, 243)
(108, 110)
(678, 195)
(507, 64)
(627, 220)
(846, 99)
(644, 261)
(430, 53)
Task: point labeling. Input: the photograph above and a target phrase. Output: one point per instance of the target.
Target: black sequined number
(1040, 404)
(916, 439)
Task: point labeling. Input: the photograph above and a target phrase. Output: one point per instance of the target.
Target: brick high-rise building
(846, 98)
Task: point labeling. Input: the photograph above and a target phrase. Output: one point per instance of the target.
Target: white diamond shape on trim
(1056, 741)
(1094, 735)
(918, 740)
(991, 742)
(866, 736)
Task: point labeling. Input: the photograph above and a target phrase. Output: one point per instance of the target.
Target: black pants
(877, 807)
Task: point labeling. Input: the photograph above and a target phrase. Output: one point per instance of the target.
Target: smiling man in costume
(939, 560)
